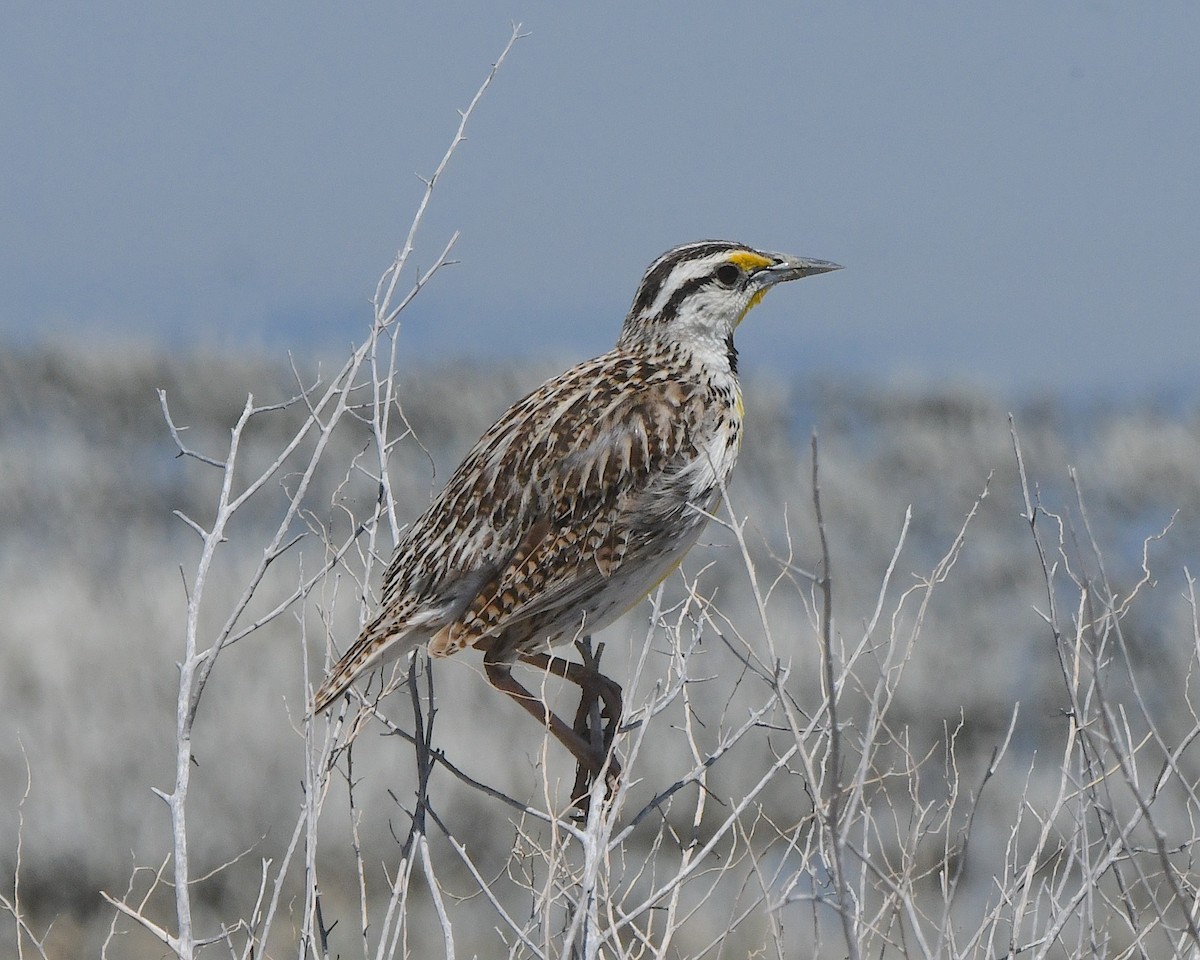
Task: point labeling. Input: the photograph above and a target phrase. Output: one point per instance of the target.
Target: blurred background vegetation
(90, 576)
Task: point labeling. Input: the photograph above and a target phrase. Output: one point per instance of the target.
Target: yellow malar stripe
(755, 300)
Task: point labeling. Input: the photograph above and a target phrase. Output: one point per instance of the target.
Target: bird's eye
(727, 274)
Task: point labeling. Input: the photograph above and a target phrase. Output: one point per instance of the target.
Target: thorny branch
(326, 403)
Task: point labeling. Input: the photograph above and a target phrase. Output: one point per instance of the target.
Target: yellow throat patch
(749, 260)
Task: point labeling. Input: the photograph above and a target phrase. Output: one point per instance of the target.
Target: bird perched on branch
(584, 496)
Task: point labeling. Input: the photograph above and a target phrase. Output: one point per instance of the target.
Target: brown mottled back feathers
(576, 481)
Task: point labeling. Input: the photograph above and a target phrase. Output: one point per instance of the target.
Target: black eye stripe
(652, 282)
(671, 308)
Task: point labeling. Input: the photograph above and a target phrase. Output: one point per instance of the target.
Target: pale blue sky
(1014, 188)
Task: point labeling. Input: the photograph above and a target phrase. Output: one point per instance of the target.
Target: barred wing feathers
(570, 488)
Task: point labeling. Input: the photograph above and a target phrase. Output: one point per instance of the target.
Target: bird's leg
(589, 721)
(499, 674)
(594, 688)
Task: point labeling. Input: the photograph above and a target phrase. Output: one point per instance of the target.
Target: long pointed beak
(793, 268)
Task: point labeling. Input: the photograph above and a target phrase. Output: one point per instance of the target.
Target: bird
(583, 496)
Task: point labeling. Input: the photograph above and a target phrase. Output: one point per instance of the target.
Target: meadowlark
(584, 495)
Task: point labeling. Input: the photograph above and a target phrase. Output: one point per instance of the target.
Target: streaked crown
(701, 291)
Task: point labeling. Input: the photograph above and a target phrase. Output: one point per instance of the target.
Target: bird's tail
(376, 645)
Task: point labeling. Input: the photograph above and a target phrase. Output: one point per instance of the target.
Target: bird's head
(698, 293)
